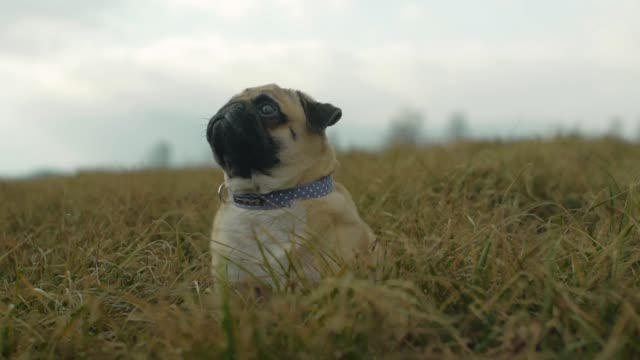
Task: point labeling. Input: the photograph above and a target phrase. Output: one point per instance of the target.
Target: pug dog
(282, 218)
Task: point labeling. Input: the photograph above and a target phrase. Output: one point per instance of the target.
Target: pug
(282, 219)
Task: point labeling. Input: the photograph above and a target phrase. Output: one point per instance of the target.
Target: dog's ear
(319, 115)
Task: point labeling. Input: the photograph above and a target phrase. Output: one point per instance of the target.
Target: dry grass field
(494, 250)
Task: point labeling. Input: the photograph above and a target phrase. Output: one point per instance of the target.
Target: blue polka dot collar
(284, 198)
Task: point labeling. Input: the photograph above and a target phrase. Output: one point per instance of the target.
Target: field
(494, 250)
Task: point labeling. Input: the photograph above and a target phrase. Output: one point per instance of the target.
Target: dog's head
(268, 131)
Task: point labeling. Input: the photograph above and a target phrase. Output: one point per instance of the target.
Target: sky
(87, 83)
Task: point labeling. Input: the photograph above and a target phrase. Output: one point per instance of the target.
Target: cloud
(105, 91)
(291, 9)
(77, 11)
(225, 8)
(111, 104)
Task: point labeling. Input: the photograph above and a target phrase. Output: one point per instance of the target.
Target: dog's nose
(234, 110)
(237, 107)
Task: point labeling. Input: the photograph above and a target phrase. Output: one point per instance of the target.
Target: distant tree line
(407, 126)
(160, 155)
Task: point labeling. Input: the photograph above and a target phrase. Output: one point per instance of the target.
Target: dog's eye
(268, 109)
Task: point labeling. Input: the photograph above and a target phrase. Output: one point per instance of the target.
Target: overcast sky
(86, 83)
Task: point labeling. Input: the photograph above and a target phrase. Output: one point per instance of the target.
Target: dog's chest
(248, 237)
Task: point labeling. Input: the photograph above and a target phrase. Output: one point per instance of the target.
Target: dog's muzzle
(240, 143)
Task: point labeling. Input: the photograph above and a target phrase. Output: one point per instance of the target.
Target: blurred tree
(575, 132)
(160, 155)
(458, 127)
(615, 127)
(405, 127)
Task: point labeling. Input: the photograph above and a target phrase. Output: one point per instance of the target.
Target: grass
(494, 250)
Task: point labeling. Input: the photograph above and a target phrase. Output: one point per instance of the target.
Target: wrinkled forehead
(284, 97)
